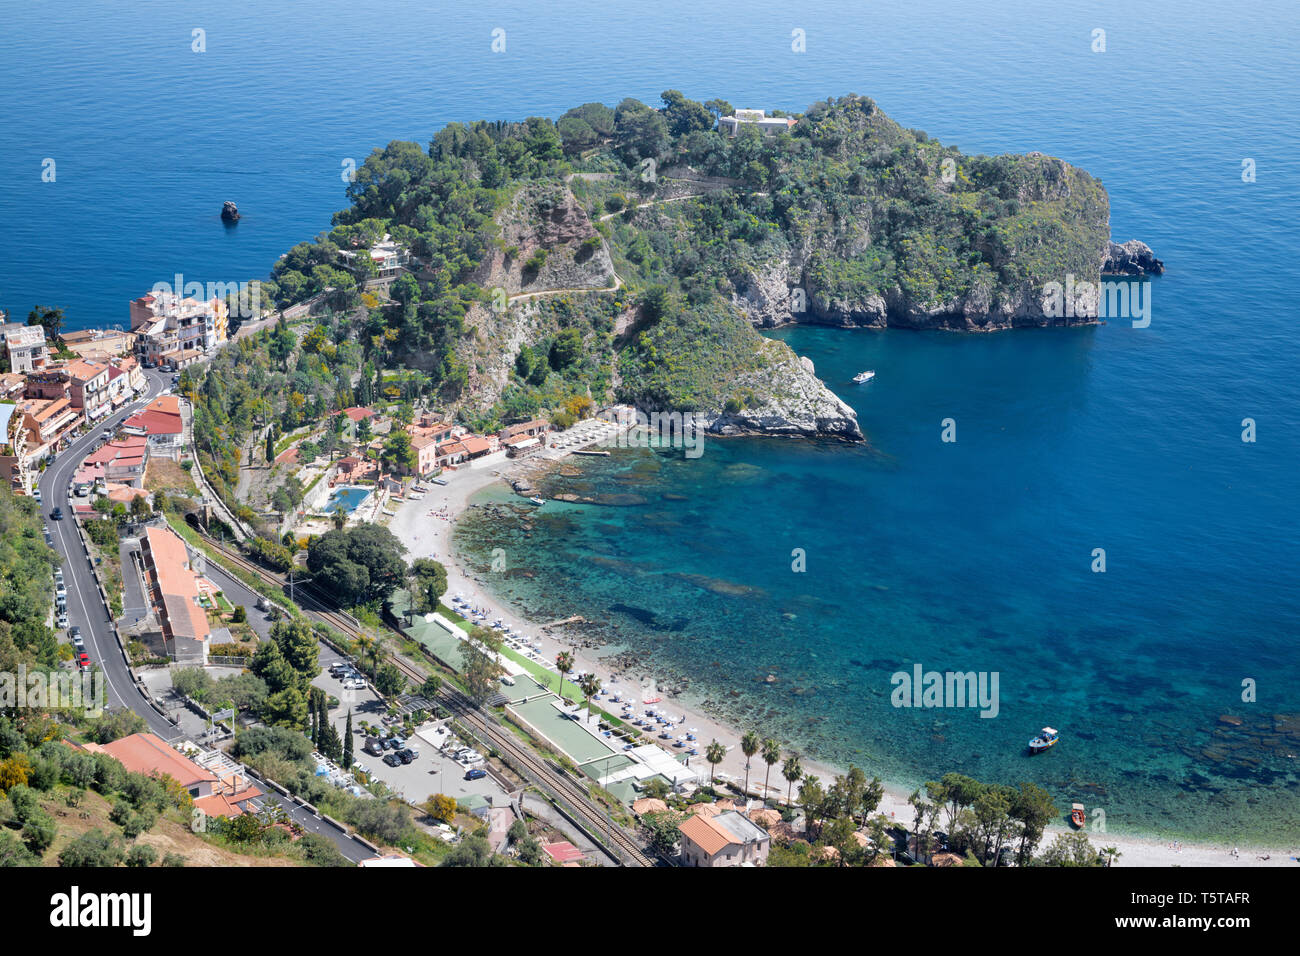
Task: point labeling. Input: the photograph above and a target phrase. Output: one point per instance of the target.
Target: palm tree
(1111, 854)
(792, 770)
(749, 745)
(367, 646)
(564, 661)
(714, 754)
(590, 687)
(771, 754)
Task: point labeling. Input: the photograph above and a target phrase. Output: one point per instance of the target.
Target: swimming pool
(350, 497)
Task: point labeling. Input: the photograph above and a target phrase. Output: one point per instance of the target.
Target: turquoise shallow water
(968, 555)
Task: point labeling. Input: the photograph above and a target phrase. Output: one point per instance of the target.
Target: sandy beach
(425, 527)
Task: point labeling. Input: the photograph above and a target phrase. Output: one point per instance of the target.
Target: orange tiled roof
(707, 834)
(147, 753)
(177, 584)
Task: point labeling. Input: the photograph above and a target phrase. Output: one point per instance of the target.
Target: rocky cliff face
(780, 295)
(545, 218)
(790, 400)
(840, 278)
(1132, 258)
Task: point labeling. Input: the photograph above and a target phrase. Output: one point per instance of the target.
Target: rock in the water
(229, 212)
(1132, 258)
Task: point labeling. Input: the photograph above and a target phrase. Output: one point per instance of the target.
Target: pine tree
(314, 732)
(347, 743)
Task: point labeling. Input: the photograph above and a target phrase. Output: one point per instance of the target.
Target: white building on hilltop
(766, 124)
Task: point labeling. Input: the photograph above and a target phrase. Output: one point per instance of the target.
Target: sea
(1113, 530)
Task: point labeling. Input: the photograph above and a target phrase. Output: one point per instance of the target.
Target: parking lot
(429, 773)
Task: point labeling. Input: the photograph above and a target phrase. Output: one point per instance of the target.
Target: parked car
(75, 633)
(56, 514)
(374, 746)
(393, 760)
(385, 744)
(83, 660)
(78, 643)
(405, 755)
(475, 774)
(62, 620)
(354, 683)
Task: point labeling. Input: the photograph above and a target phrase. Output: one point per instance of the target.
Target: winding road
(87, 611)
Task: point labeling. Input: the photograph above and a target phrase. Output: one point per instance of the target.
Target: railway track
(524, 759)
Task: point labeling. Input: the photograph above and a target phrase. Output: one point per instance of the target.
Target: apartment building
(24, 346)
(166, 324)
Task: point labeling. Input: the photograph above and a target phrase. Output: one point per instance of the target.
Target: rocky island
(512, 270)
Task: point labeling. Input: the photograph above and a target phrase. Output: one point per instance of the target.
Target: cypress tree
(347, 743)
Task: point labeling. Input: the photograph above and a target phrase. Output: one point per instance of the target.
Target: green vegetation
(26, 586)
(359, 565)
(872, 221)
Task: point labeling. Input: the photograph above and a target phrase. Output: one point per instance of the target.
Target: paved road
(86, 610)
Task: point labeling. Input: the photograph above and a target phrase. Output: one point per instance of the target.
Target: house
(13, 448)
(88, 388)
(521, 446)
(53, 381)
(426, 436)
(729, 839)
(48, 421)
(161, 422)
(767, 125)
(24, 346)
(166, 326)
(99, 343)
(124, 461)
(477, 446)
(119, 387)
(353, 468)
(12, 386)
(175, 592)
(531, 429)
(354, 415)
(130, 366)
(390, 259)
(221, 792)
(450, 453)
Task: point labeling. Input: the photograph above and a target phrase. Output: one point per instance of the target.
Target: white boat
(862, 377)
(537, 501)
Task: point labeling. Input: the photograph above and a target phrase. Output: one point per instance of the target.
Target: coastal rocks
(789, 400)
(1132, 258)
(229, 212)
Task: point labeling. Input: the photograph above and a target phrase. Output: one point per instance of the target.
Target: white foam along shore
(425, 527)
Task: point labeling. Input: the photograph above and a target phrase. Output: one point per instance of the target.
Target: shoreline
(425, 527)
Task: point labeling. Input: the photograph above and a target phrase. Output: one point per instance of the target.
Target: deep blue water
(971, 555)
